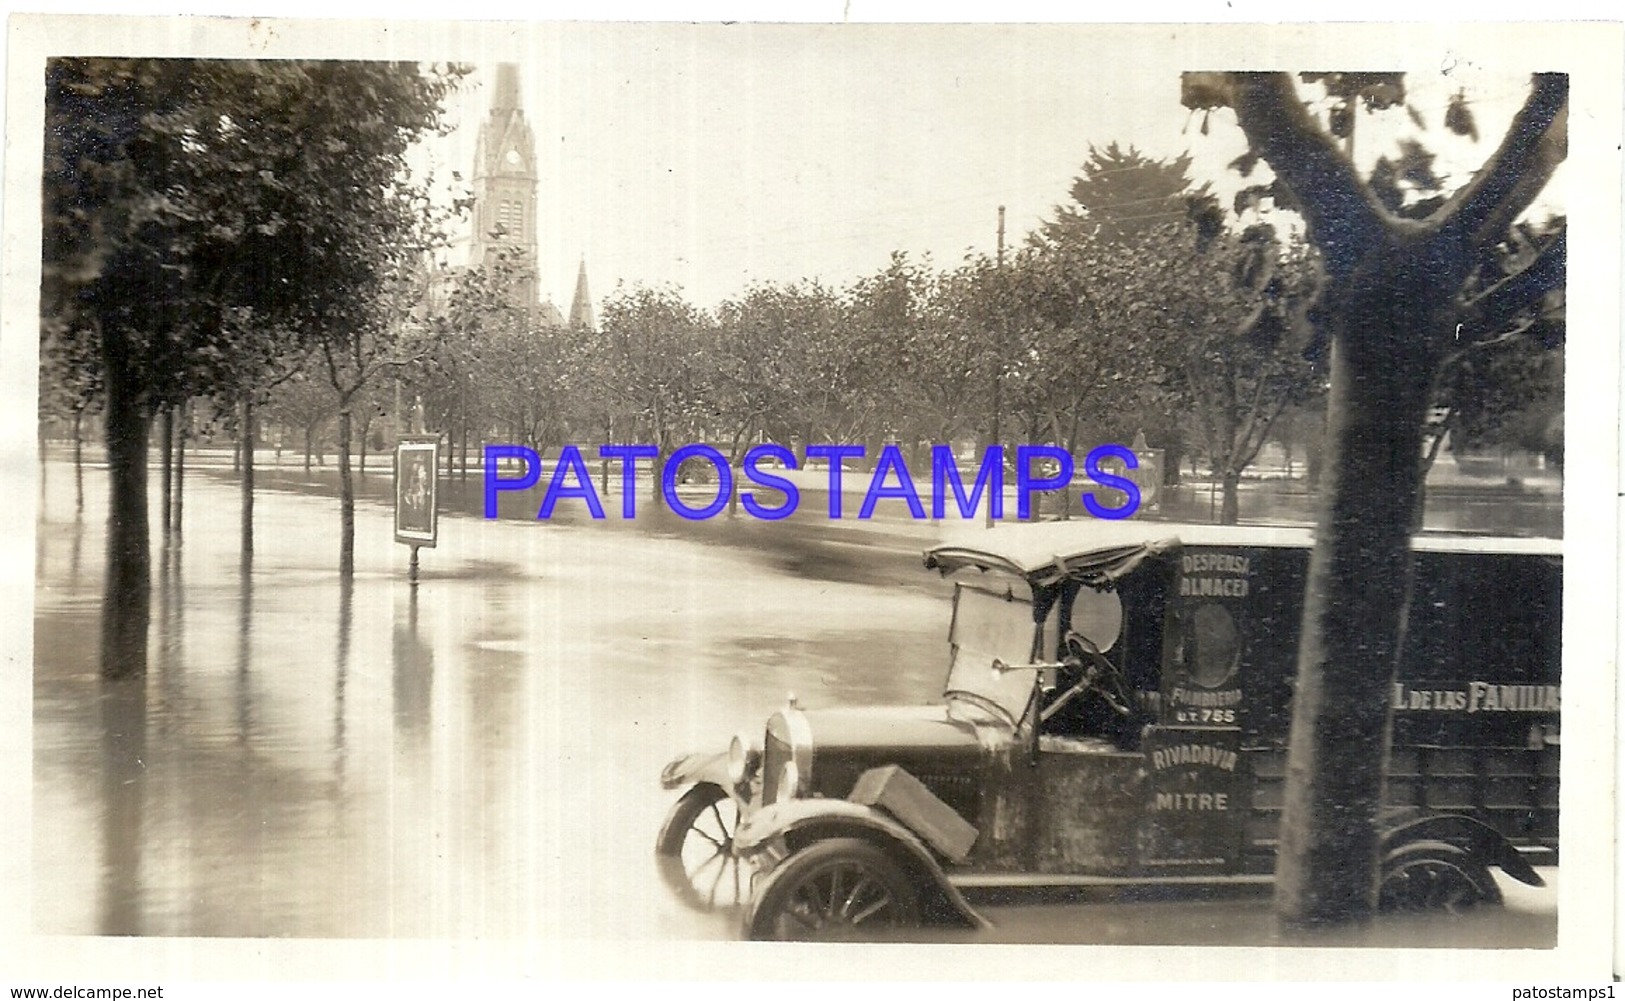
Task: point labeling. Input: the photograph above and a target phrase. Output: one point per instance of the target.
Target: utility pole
(998, 367)
(1001, 238)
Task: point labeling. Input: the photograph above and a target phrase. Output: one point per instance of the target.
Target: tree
(495, 363)
(1391, 305)
(1238, 377)
(70, 386)
(1124, 192)
(758, 382)
(879, 356)
(1149, 305)
(647, 352)
(1504, 384)
(304, 403)
(193, 211)
(1076, 319)
(1299, 430)
(381, 336)
(952, 357)
(262, 361)
(361, 281)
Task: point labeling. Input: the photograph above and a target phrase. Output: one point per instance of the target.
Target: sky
(713, 156)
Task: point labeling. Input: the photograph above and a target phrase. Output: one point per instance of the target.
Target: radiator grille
(775, 753)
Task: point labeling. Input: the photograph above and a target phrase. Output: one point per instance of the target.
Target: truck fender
(798, 822)
(697, 767)
(1484, 841)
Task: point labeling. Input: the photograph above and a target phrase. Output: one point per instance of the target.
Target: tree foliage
(203, 220)
(1175, 313)
(1122, 192)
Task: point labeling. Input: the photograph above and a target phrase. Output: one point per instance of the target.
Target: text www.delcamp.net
(87, 992)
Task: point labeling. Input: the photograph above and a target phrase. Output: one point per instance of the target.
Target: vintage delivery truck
(1116, 712)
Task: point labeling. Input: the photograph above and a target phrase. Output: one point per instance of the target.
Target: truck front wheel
(695, 850)
(843, 888)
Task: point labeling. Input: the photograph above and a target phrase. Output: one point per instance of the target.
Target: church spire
(506, 220)
(581, 317)
(505, 97)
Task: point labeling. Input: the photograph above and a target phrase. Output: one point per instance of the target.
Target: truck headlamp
(738, 762)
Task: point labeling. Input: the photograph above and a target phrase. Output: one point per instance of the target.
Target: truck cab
(1115, 711)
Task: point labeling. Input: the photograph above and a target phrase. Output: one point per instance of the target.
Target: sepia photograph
(605, 498)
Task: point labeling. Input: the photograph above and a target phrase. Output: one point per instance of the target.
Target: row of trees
(1140, 306)
(1104, 323)
(195, 248)
(211, 228)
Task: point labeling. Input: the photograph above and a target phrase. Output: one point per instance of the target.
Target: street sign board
(417, 459)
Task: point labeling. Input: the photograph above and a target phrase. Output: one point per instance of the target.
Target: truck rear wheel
(1434, 876)
(840, 889)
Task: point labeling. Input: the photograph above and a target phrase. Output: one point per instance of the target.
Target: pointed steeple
(506, 218)
(505, 97)
(581, 317)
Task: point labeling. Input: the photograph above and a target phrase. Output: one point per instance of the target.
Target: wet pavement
(477, 756)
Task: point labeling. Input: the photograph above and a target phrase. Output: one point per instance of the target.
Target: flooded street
(478, 757)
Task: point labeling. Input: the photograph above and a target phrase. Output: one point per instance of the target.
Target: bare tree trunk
(736, 468)
(1230, 508)
(1392, 288)
(346, 496)
(309, 434)
(78, 461)
(657, 498)
(126, 596)
(1354, 610)
(166, 439)
(180, 467)
(362, 470)
(248, 477)
(1314, 458)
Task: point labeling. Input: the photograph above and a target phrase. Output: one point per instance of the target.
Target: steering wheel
(1099, 674)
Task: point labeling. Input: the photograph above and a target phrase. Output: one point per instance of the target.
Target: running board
(994, 880)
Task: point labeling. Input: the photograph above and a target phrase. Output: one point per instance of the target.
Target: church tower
(505, 188)
(581, 317)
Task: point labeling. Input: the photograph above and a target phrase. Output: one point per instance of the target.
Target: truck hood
(900, 727)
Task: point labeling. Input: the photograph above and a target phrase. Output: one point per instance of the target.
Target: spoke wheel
(695, 850)
(840, 889)
(1435, 876)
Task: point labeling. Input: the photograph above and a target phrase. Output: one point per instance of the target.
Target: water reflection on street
(475, 757)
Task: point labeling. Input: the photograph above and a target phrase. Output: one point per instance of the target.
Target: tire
(694, 852)
(1435, 876)
(835, 890)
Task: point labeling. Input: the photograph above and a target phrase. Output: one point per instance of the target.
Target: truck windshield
(988, 626)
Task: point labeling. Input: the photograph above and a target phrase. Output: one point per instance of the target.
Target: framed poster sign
(416, 501)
